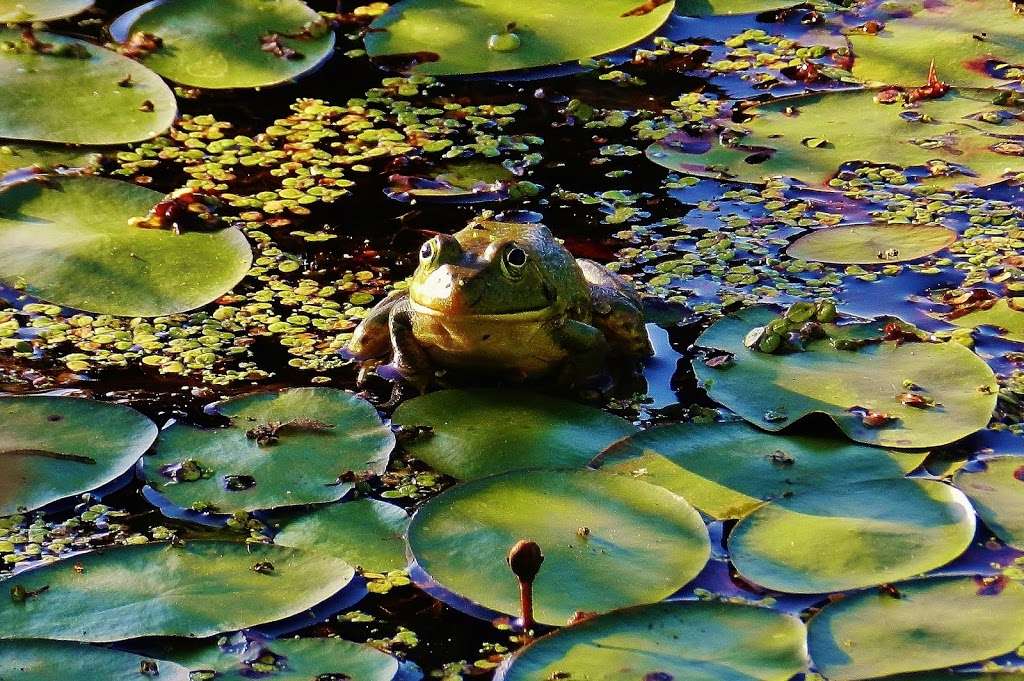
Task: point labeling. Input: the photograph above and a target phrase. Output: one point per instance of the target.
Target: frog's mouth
(519, 316)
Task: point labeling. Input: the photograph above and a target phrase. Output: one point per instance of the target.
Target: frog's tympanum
(505, 299)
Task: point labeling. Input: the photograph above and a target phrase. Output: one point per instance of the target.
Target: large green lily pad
(475, 433)
(200, 589)
(442, 37)
(701, 8)
(852, 536)
(301, 659)
(703, 641)
(810, 137)
(93, 107)
(608, 541)
(324, 437)
(55, 447)
(220, 44)
(933, 624)
(367, 533)
(40, 10)
(1003, 314)
(40, 660)
(70, 243)
(17, 156)
(997, 492)
(871, 244)
(729, 469)
(947, 33)
(774, 390)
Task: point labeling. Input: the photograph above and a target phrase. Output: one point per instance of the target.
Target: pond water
(820, 205)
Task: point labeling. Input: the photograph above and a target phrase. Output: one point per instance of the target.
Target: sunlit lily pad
(40, 10)
(851, 536)
(482, 432)
(774, 390)
(228, 43)
(196, 590)
(55, 447)
(438, 37)
(810, 137)
(300, 446)
(701, 8)
(40, 660)
(93, 107)
(928, 624)
(608, 541)
(70, 242)
(16, 156)
(729, 469)
(462, 182)
(996, 488)
(871, 244)
(704, 641)
(367, 533)
(1003, 314)
(968, 41)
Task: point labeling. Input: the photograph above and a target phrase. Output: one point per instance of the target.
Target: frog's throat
(540, 314)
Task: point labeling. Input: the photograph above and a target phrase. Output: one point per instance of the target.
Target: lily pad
(299, 446)
(17, 156)
(996, 488)
(966, 40)
(40, 10)
(930, 624)
(367, 533)
(200, 589)
(1003, 314)
(703, 641)
(94, 106)
(70, 242)
(851, 536)
(608, 541)
(871, 244)
(810, 137)
(56, 447)
(440, 37)
(475, 433)
(231, 43)
(848, 385)
(703, 8)
(729, 469)
(39, 660)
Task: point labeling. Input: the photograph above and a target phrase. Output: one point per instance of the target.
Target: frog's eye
(427, 251)
(515, 258)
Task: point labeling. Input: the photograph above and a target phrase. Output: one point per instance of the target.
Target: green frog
(505, 299)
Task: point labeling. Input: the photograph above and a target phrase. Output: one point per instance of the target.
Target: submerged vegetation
(818, 475)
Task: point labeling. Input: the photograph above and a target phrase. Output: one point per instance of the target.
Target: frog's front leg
(372, 338)
(409, 358)
(587, 364)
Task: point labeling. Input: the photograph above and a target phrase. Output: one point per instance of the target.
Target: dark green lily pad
(871, 244)
(703, 641)
(729, 469)
(40, 660)
(323, 438)
(221, 44)
(947, 33)
(93, 107)
(1003, 314)
(302, 659)
(16, 156)
(810, 137)
(367, 533)
(932, 624)
(483, 432)
(844, 384)
(608, 541)
(439, 37)
(852, 536)
(40, 10)
(70, 243)
(997, 492)
(200, 589)
(56, 447)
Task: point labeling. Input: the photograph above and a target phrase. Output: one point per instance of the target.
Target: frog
(507, 300)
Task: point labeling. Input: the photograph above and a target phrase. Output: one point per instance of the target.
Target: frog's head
(497, 269)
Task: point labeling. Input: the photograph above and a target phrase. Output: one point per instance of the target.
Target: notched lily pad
(41, 660)
(299, 446)
(18, 156)
(439, 37)
(608, 541)
(79, 97)
(197, 590)
(1003, 314)
(996, 488)
(871, 244)
(55, 447)
(69, 241)
(891, 394)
